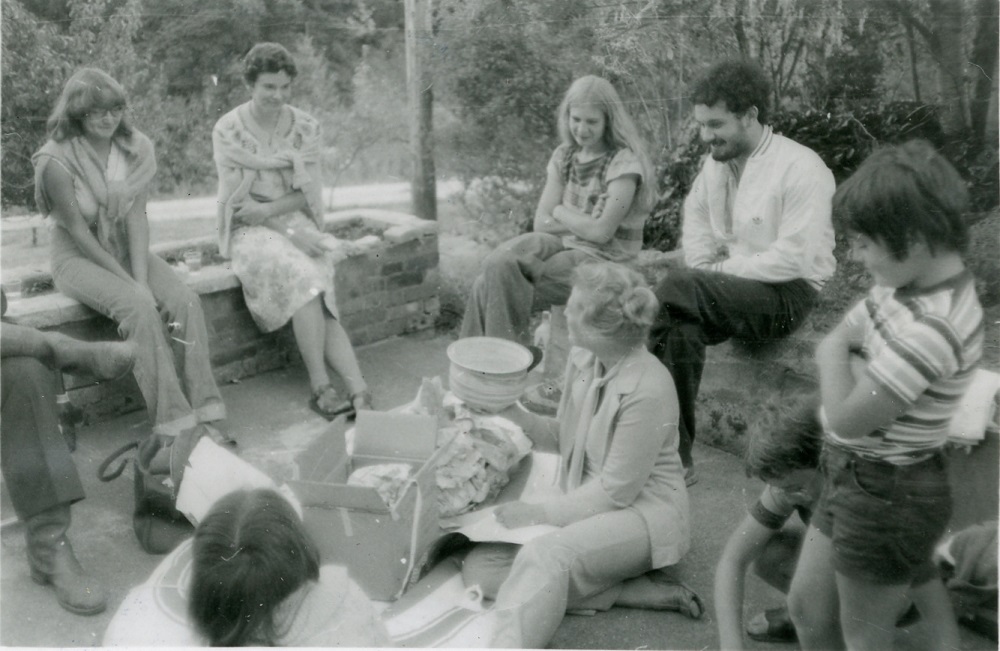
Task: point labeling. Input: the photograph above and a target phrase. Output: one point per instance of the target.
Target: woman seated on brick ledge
(92, 178)
(267, 154)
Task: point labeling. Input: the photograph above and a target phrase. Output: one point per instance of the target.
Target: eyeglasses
(114, 111)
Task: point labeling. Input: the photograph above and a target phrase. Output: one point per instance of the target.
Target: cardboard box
(384, 547)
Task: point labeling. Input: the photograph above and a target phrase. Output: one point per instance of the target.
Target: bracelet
(289, 232)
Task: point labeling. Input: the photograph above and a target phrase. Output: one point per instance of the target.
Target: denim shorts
(883, 519)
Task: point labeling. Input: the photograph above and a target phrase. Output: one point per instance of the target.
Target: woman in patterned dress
(268, 157)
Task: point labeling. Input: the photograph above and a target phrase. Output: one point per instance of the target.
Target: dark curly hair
(267, 57)
(903, 194)
(740, 84)
(785, 440)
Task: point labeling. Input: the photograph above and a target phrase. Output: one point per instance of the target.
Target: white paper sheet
(541, 483)
(213, 472)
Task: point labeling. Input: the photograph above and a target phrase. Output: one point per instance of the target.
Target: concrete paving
(270, 417)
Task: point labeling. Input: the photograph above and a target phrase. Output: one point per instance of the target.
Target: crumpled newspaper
(483, 449)
(478, 462)
(388, 479)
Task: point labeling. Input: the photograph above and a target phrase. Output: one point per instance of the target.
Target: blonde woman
(598, 192)
(624, 507)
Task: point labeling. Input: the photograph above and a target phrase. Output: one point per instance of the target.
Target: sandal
(543, 398)
(772, 625)
(326, 403)
(686, 601)
(362, 400)
(219, 437)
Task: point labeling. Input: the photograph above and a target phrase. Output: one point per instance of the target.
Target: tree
(33, 74)
(962, 39)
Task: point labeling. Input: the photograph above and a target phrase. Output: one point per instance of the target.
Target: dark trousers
(37, 467)
(704, 308)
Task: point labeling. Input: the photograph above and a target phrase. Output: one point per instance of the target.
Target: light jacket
(774, 225)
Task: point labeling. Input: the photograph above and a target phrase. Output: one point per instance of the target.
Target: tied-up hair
(617, 302)
(620, 131)
(86, 91)
(250, 553)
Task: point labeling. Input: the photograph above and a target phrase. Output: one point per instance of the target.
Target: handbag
(157, 470)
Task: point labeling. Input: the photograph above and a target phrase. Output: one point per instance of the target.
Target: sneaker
(543, 398)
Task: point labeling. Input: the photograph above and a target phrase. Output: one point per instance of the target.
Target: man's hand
(515, 515)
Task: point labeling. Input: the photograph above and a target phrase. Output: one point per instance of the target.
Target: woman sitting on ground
(256, 581)
(267, 154)
(624, 507)
(92, 178)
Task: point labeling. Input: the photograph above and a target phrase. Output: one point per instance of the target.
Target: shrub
(675, 173)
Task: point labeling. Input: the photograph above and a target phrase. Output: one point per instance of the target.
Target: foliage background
(848, 75)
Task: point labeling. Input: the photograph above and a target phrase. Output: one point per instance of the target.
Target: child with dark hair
(784, 452)
(257, 581)
(886, 498)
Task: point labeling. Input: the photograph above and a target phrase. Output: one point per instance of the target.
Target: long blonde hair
(619, 130)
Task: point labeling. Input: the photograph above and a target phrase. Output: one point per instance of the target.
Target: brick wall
(387, 286)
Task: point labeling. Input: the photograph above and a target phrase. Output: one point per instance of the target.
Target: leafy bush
(844, 139)
(675, 174)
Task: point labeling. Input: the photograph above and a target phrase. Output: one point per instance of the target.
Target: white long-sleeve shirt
(773, 224)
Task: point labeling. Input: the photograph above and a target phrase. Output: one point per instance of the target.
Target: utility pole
(420, 94)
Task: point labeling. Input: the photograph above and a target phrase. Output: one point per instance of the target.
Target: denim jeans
(171, 408)
(526, 274)
(883, 519)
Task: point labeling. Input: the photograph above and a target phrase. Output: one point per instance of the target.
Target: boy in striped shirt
(886, 499)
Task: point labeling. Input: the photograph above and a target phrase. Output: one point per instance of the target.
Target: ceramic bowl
(488, 373)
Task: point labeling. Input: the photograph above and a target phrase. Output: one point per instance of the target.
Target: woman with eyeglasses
(92, 178)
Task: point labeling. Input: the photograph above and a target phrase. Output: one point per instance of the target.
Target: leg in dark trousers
(43, 482)
(704, 308)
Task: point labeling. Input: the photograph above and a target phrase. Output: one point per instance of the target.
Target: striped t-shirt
(922, 346)
(585, 188)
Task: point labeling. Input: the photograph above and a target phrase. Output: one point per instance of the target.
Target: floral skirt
(278, 278)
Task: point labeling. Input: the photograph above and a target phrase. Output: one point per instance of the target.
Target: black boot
(53, 563)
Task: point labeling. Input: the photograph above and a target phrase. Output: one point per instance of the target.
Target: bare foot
(642, 592)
